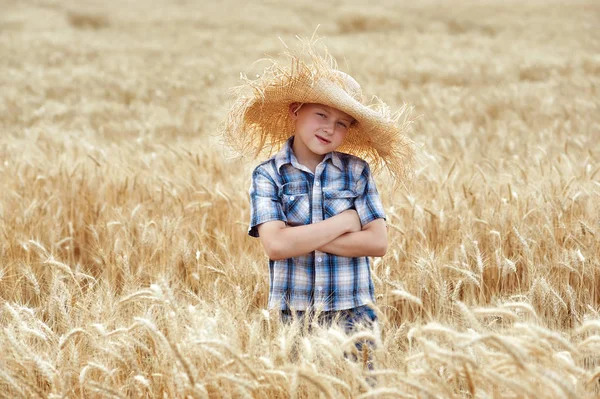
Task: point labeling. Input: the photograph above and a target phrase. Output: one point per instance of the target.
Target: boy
(317, 211)
(327, 220)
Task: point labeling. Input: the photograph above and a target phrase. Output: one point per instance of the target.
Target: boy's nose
(329, 128)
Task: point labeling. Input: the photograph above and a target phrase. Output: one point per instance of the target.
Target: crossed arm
(340, 235)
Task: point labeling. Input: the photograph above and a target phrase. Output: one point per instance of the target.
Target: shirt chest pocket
(337, 201)
(296, 202)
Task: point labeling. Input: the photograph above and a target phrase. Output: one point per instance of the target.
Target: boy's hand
(352, 220)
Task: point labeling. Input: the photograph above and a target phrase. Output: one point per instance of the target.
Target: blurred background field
(125, 267)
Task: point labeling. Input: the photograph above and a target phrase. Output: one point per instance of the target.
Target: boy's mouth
(323, 140)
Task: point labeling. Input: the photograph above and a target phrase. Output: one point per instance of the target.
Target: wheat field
(125, 265)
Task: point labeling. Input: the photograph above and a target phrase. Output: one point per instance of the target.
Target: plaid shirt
(282, 189)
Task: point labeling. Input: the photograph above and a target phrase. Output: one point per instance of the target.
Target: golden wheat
(125, 265)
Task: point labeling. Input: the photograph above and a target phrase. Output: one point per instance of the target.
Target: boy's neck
(305, 156)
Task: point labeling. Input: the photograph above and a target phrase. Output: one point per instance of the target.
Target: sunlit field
(125, 265)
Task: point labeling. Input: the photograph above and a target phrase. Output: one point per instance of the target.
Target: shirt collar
(286, 156)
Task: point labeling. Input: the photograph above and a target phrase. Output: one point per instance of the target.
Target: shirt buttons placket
(317, 217)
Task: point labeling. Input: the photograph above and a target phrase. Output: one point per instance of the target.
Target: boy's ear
(293, 110)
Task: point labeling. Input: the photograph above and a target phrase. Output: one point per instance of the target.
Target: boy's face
(321, 128)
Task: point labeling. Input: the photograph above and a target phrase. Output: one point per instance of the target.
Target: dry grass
(125, 266)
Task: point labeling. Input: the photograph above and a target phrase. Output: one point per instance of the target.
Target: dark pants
(350, 319)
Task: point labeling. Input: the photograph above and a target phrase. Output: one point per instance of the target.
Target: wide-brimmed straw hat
(259, 122)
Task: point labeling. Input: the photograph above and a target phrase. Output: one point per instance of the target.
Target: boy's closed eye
(339, 123)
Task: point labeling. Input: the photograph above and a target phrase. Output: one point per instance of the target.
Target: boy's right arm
(282, 242)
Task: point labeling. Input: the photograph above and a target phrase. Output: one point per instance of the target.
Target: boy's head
(321, 128)
(307, 96)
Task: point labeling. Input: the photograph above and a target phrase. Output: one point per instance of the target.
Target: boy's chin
(322, 150)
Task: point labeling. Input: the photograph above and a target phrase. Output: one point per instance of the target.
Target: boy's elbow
(380, 249)
(275, 250)
(377, 237)
(273, 243)
(275, 255)
(271, 251)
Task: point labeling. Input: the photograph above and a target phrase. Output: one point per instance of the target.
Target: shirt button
(319, 259)
(292, 198)
(317, 184)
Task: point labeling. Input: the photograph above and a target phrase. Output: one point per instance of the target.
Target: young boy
(317, 211)
(318, 215)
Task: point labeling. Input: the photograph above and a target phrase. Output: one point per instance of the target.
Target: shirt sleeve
(265, 204)
(368, 203)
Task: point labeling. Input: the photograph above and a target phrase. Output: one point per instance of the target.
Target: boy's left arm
(372, 240)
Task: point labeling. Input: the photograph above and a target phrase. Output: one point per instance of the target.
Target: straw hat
(259, 123)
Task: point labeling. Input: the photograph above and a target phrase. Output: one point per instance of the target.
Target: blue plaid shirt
(282, 189)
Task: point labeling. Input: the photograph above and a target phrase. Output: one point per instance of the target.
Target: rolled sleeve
(265, 204)
(368, 203)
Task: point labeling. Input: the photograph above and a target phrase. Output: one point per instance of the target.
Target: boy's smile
(323, 140)
(319, 129)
